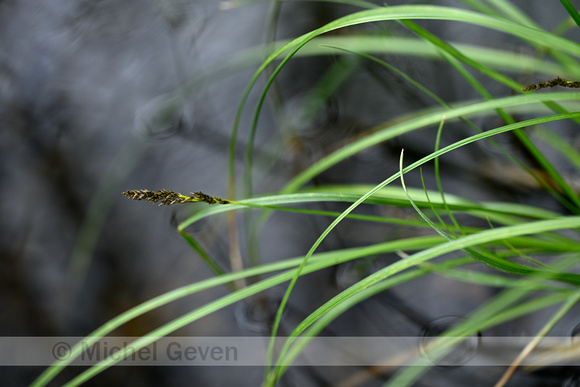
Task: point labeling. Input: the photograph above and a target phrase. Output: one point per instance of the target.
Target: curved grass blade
(571, 11)
(500, 310)
(385, 134)
(523, 138)
(461, 243)
(564, 309)
(385, 14)
(381, 280)
(318, 261)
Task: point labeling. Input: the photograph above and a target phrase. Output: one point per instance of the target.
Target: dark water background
(81, 86)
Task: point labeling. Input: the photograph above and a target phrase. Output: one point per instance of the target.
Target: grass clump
(503, 232)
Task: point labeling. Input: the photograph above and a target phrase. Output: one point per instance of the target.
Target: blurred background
(97, 97)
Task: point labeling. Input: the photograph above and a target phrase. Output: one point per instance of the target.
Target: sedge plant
(531, 251)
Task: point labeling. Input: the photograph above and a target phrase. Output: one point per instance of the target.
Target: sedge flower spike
(168, 197)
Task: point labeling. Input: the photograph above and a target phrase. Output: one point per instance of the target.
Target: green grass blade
(318, 261)
(489, 259)
(488, 316)
(360, 292)
(512, 12)
(498, 310)
(559, 144)
(456, 244)
(564, 309)
(523, 138)
(384, 14)
(430, 119)
(571, 11)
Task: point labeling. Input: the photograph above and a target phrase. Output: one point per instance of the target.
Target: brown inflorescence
(167, 197)
(554, 82)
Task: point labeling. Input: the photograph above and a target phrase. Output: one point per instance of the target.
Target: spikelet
(554, 82)
(168, 197)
